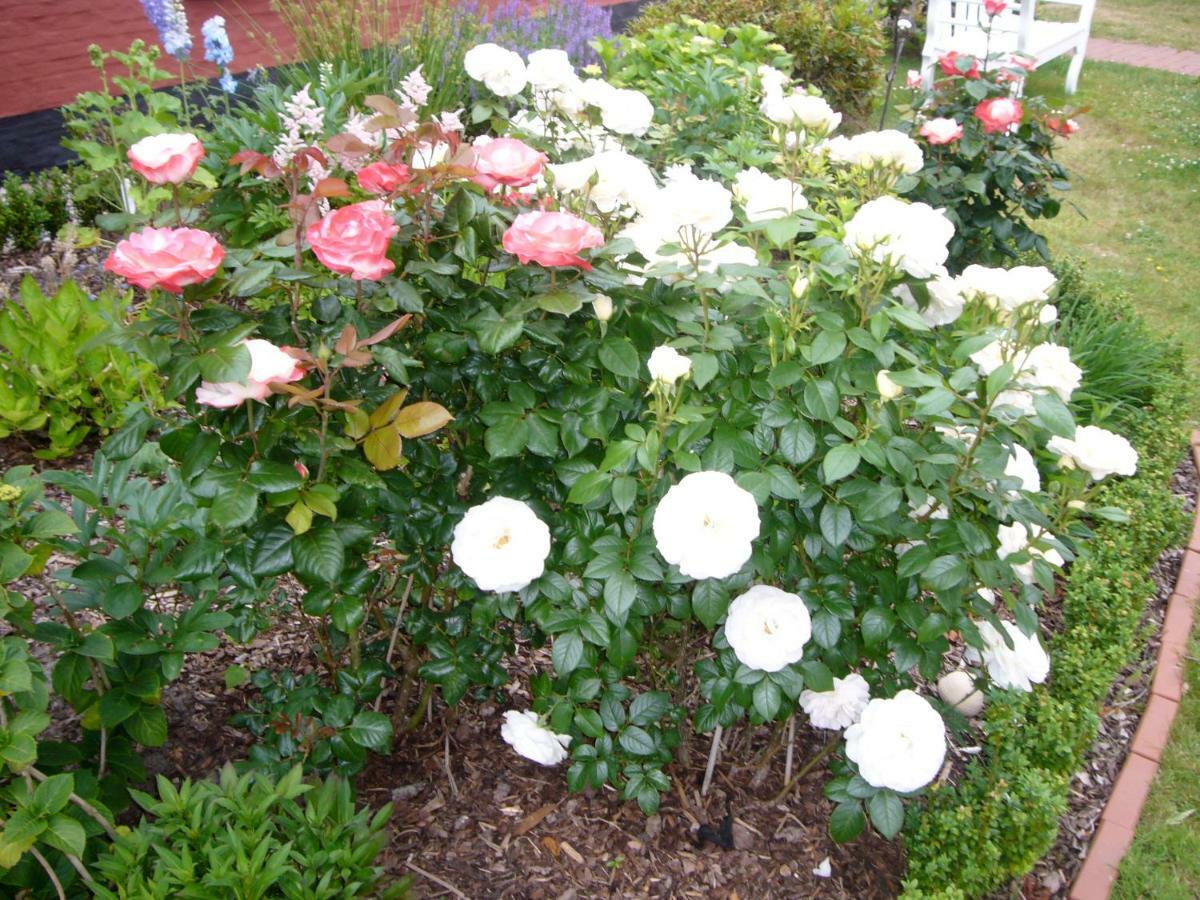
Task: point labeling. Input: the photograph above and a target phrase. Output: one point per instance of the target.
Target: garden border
(1118, 822)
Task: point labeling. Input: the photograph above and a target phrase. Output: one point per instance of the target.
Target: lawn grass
(1164, 861)
(1171, 23)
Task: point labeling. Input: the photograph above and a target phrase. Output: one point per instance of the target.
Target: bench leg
(1076, 66)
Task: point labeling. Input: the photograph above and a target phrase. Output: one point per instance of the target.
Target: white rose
(1049, 366)
(887, 388)
(764, 197)
(668, 365)
(807, 110)
(945, 303)
(888, 149)
(524, 732)
(503, 71)
(602, 306)
(426, 156)
(622, 181)
(706, 524)
(911, 236)
(727, 255)
(1098, 452)
(840, 707)
(1016, 537)
(700, 203)
(501, 545)
(772, 79)
(1021, 465)
(767, 628)
(1020, 667)
(629, 112)
(1016, 401)
(551, 70)
(898, 743)
(1007, 289)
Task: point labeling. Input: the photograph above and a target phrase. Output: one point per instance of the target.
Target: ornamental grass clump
(734, 444)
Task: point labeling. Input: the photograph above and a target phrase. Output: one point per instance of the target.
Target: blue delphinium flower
(217, 49)
(228, 82)
(170, 20)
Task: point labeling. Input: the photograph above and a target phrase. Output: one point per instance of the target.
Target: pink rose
(951, 68)
(1065, 127)
(999, 114)
(507, 161)
(166, 158)
(268, 365)
(169, 258)
(913, 80)
(941, 131)
(994, 7)
(551, 238)
(382, 178)
(354, 240)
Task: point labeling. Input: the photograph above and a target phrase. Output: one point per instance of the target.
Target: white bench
(961, 26)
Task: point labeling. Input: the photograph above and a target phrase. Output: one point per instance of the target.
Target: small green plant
(60, 371)
(41, 204)
(249, 836)
(836, 45)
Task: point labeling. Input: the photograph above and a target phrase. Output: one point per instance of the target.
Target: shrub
(992, 180)
(837, 46)
(60, 370)
(1036, 742)
(249, 836)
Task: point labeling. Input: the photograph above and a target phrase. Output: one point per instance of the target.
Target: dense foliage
(836, 45)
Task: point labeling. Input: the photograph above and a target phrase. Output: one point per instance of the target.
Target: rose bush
(681, 436)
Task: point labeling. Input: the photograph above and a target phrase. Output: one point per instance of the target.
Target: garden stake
(791, 746)
(899, 35)
(712, 761)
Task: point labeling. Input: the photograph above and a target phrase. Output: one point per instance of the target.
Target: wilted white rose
(668, 365)
(1097, 451)
(767, 628)
(524, 732)
(1021, 465)
(911, 236)
(840, 707)
(501, 544)
(503, 71)
(706, 524)
(1020, 667)
(899, 743)
(764, 197)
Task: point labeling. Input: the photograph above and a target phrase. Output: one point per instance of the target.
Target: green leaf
(836, 524)
(53, 794)
(199, 560)
(877, 624)
(506, 438)
(620, 592)
(648, 708)
(147, 725)
(371, 730)
(562, 302)
(235, 507)
(497, 334)
(887, 813)
(847, 822)
(122, 599)
(567, 653)
(822, 400)
(319, 554)
(66, 834)
(826, 629)
(273, 552)
(710, 600)
(946, 572)
(588, 487)
(636, 740)
(797, 442)
(767, 698)
(840, 462)
(826, 346)
(230, 363)
(236, 676)
(620, 357)
(1054, 415)
(14, 562)
(704, 368)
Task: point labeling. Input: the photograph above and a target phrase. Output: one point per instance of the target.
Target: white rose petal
(501, 544)
(767, 628)
(899, 743)
(1022, 465)
(706, 525)
(527, 736)
(1020, 667)
(840, 707)
(1097, 451)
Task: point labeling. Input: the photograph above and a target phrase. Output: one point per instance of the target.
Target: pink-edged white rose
(353, 240)
(941, 131)
(507, 161)
(551, 239)
(913, 80)
(268, 365)
(168, 258)
(166, 158)
(899, 743)
(767, 628)
(999, 114)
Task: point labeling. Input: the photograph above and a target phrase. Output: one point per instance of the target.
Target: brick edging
(1114, 835)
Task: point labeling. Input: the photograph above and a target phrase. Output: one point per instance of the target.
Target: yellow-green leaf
(388, 409)
(422, 418)
(382, 448)
(300, 517)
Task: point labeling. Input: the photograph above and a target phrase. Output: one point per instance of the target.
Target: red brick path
(1182, 62)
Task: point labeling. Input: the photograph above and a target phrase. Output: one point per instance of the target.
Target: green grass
(1164, 861)
(1171, 23)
